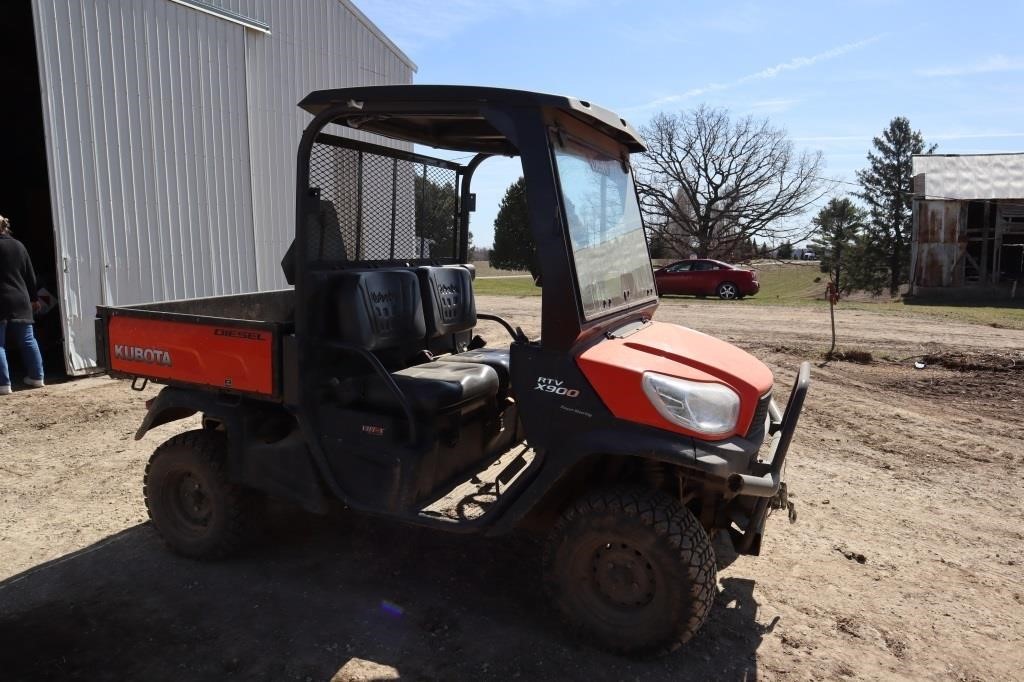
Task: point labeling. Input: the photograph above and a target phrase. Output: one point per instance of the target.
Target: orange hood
(615, 368)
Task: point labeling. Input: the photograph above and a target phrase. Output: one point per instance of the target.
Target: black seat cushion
(434, 387)
(379, 309)
(448, 303)
(495, 358)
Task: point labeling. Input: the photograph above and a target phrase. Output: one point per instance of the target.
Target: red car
(705, 277)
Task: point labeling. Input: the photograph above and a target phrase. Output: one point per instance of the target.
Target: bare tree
(708, 185)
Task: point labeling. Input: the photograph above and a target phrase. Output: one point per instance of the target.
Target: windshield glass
(613, 269)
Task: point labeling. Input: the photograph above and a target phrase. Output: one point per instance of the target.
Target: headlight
(706, 408)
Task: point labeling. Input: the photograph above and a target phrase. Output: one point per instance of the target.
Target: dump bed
(230, 343)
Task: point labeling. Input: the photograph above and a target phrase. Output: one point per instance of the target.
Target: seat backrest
(324, 239)
(448, 303)
(379, 309)
(325, 233)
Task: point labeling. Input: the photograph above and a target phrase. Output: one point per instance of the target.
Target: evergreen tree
(656, 245)
(514, 248)
(887, 189)
(840, 224)
(785, 251)
(435, 216)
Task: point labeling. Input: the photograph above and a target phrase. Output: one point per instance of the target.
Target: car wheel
(631, 570)
(727, 291)
(192, 505)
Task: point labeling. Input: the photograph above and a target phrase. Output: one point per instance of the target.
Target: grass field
(802, 284)
(484, 269)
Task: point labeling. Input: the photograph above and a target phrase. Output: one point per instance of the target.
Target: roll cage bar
(487, 122)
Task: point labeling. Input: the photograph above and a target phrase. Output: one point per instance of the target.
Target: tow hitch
(782, 501)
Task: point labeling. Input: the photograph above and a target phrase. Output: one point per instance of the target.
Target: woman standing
(17, 303)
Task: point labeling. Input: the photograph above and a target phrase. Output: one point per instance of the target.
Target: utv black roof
(454, 116)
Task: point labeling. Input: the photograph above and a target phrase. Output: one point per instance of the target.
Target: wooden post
(915, 237)
(997, 249)
(833, 294)
(983, 271)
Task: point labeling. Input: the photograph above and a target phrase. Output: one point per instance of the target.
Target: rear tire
(727, 291)
(631, 570)
(191, 503)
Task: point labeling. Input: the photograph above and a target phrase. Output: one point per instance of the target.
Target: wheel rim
(189, 503)
(622, 576)
(727, 291)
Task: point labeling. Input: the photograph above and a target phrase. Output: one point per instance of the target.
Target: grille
(378, 204)
(756, 432)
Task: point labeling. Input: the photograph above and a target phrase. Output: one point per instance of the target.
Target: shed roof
(970, 176)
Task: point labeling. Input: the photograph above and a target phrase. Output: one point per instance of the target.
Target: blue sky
(832, 74)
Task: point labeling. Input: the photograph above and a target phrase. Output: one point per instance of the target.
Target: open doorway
(24, 182)
(1011, 259)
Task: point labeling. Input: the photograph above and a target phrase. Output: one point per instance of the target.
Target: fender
(279, 463)
(625, 439)
(172, 404)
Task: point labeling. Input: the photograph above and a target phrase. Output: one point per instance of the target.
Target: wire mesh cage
(381, 204)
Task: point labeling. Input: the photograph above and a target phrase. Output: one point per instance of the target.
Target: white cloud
(994, 64)
(950, 136)
(744, 19)
(833, 138)
(773, 106)
(973, 136)
(767, 73)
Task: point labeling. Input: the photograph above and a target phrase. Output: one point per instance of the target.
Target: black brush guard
(765, 481)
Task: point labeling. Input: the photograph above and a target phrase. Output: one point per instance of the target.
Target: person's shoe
(34, 383)
(5, 390)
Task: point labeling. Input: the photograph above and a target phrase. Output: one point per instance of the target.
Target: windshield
(613, 268)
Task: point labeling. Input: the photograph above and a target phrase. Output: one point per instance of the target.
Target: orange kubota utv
(628, 442)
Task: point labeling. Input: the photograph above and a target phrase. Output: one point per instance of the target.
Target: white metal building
(170, 130)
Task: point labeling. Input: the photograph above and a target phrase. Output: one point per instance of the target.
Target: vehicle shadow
(342, 597)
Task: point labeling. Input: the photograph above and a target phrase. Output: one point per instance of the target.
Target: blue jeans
(25, 340)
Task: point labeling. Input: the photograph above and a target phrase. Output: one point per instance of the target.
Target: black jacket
(17, 281)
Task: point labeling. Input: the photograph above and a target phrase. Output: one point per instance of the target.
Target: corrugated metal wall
(171, 138)
(939, 244)
(305, 52)
(969, 176)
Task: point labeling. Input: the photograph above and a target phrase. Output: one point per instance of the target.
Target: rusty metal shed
(968, 224)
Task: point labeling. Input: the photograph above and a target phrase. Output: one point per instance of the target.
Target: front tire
(727, 291)
(631, 570)
(191, 503)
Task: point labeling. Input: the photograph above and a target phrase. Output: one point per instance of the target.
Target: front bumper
(765, 478)
(764, 482)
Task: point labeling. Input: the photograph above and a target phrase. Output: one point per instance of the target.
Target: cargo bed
(228, 343)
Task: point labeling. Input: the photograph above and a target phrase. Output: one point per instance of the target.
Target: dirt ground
(906, 561)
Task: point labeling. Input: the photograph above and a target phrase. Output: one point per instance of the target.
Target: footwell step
(472, 498)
